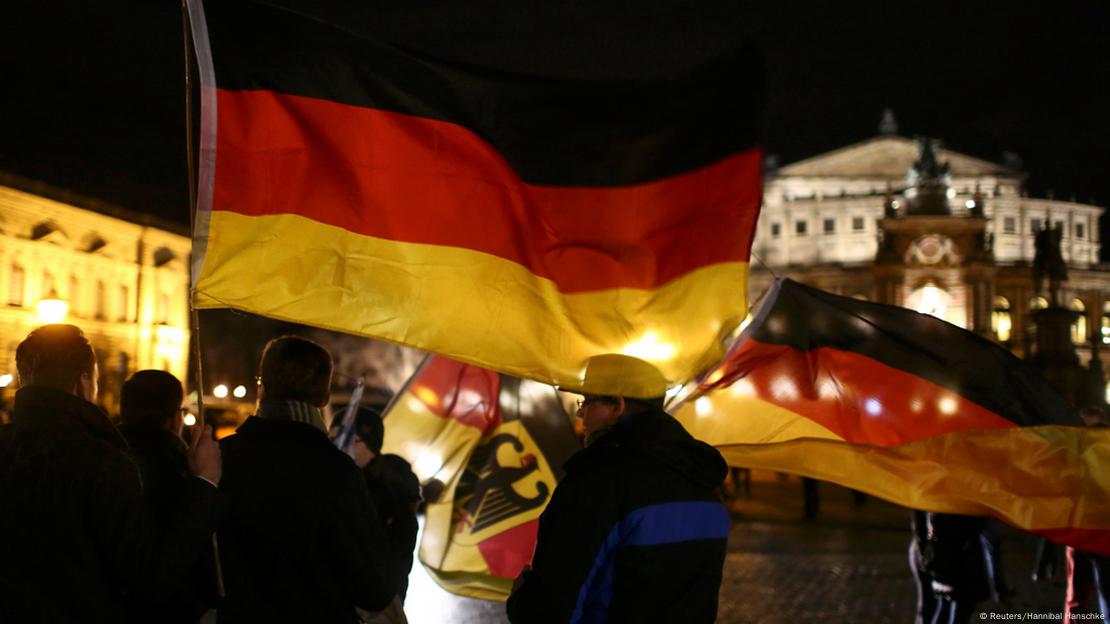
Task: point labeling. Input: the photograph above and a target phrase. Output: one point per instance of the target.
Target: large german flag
(513, 186)
(497, 445)
(908, 408)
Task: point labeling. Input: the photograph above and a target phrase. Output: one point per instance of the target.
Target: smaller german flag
(497, 444)
(905, 407)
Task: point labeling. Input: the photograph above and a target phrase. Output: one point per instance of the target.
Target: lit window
(1106, 322)
(15, 286)
(800, 227)
(857, 224)
(1009, 224)
(830, 226)
(1000, 319)
(1079, 325)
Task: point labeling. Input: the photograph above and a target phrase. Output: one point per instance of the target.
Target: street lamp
(219, 391)
(239, 392)
(52, 308)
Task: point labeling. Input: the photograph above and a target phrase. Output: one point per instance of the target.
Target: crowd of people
(132, 523)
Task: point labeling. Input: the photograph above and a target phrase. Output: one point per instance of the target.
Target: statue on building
(1048, 261)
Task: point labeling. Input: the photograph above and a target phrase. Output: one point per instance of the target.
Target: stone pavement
(849, 565)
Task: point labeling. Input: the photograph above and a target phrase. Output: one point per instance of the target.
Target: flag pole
(194, 316)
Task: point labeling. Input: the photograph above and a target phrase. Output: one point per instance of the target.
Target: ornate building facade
(909, 223)
(119, 276)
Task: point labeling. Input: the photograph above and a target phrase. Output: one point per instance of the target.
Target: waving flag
(516, 186)
(497, 444)
(908, 408)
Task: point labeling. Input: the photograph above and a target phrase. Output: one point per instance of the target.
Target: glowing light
(947, 405)
(52, 310)
(6, 380)
(969, 203)
(239, 392)
(916, 406)
(703, 406)
(951, 193)
(896, 203)
(783, 389)
(190, 420)
(827, 389)
(427, 465)
(742, 387)
(931, 302)
(873, 406)
(427, 396)
(650, 347)
(219, 391)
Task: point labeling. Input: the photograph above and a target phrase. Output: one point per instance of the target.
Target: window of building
(801, 227)
(1035, 224)
(1080, 232)
(1009, 225)
(857, 224)
(122, 304)
(1000, 319)
(163, 311)
(74, 295)
(15, 286)
(1106, 322)
(776, 230)
(1059, 225)
(99, 312)
(1079, 325)
(48, 285)
(830, 226)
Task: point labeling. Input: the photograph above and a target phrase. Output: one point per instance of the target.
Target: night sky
(93, 97)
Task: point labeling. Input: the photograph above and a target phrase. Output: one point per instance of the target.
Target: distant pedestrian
(78, 537)
(394, 489)
(302, 541)
(635, 531)
(151, 421)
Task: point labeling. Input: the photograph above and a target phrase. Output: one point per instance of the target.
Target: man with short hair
(78, 539)
(635, 531)
(302, 541)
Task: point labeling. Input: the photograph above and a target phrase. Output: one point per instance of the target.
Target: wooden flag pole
(194, 316)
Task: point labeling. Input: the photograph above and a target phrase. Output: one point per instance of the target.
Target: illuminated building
(118, 276)
(897, 221)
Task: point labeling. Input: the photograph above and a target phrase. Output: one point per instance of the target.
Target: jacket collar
(39, 407)
(257, 427)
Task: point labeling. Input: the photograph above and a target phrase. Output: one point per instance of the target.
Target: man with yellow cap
(635, 531)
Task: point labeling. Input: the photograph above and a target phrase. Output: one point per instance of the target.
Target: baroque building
(909, 223)
(121, 277)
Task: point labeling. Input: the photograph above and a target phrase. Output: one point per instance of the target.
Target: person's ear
(620, 406)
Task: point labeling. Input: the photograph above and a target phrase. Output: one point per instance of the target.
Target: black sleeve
(359, 544)
(572, 530)
(139, 556)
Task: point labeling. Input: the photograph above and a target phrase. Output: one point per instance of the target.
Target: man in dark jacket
(635, 531)
(302, 541)
(394, 489)
(78, 538)
(151, 422)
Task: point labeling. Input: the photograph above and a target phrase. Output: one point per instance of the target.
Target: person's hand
(204, 456)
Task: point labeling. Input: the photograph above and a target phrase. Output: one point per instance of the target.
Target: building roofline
(65, 196)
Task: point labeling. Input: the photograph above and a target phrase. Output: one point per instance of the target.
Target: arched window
(1079, 325)
(1000, 319)
(122, 304)
(1106, 322)
(15, 286)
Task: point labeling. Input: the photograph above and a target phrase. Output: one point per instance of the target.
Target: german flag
(908, 408)
(497, 445)
(513, 186)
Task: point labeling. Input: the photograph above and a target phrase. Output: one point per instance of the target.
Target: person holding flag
(635, 531)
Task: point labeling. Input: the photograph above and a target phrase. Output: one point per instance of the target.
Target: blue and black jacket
(634, 532)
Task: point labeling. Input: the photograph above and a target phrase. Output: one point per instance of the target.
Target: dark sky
(93, 91)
